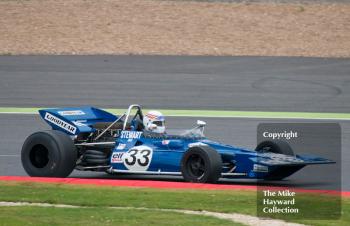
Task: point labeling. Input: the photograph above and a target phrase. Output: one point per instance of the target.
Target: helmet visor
(158, 123)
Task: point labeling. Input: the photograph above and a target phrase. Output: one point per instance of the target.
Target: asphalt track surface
(186, 82)
(232, 83)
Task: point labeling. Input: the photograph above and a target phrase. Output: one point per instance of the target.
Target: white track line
(234, 217)
(9, 155)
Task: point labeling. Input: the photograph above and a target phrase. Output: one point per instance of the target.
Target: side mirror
(201, 123)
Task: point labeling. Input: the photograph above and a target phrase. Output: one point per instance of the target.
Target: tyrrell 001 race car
(89, 138)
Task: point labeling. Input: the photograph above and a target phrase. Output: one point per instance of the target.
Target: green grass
(219, 201)
(99, 216)
(213, 113)
(228, 201)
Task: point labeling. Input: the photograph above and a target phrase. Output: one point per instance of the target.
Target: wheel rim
(39, 156)
(196, 166)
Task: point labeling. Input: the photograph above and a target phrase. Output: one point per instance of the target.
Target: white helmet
(153, 118)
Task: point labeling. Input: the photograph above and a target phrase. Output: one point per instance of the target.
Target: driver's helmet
(154, 118)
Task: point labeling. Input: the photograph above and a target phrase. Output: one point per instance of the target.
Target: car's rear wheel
(48, 154)
(278, 147)
(201, 164)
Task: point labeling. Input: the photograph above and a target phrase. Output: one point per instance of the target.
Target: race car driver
(154, 122)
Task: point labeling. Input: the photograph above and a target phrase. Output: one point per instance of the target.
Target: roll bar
(139, 111)
(126, 115)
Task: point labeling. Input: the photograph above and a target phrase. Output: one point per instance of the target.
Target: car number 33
(138, 158)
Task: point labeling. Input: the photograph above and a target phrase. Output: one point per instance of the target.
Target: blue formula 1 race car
(89, 138)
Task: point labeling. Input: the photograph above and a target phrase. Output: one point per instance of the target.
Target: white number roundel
(138, 158)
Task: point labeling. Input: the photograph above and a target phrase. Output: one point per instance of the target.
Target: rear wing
(75, 120)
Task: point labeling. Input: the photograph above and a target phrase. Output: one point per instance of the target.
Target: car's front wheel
(201, 164)
(48, 154)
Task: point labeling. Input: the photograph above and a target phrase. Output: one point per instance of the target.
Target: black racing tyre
(278, 147)
(48, 154)
(201, 164)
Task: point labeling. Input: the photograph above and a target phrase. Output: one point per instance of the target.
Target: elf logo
(117, 157)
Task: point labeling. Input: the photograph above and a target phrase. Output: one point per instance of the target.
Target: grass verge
(101, 197)
(100, 216)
